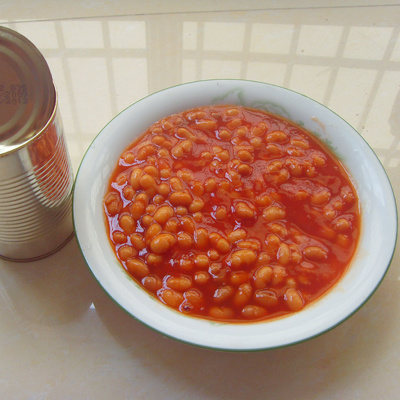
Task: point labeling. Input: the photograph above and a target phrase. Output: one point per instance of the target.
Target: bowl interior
(369, 265)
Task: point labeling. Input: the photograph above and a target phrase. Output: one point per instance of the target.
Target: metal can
(36, 176)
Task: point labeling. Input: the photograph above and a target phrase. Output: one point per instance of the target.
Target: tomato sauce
(231, 213)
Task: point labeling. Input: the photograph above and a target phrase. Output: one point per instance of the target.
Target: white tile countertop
(61, 336)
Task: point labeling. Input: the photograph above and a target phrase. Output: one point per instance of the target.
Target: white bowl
(368, 266)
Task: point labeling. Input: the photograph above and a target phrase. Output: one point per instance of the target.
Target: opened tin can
(35, 171)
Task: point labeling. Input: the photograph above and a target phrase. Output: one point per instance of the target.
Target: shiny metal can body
(36, 177)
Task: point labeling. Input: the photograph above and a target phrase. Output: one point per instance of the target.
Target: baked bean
(234, 123)
(171, 297)
(125, 252)
(253, 244)
(273, 213)
(146, 221)
(180, 210)
(238, 278)
(263, 201)
(291, 282)
(194, 115)
(256, 142)
(196, 205)
(128, 193)
(201, 238)
(294, 166)
(152, 283)
(244, 211)
(259, 129)
(278, 275)
(244, 169)
(163, 153)
(151, 208)
(158, 200)
(276, 137)
(137, 241)
(163, 214)
(206, 124)
(245, 155)
(152, 231)
(135, 178)
(198, 216)
(186, 264)
(167, 125)
(213, 254)
(146, 151)
(295, 254)
(253, 312)
(201, 277)
(128, 157)
(347, 195)
(197, 188)
(273, 243)
(185, 240)
(179, 283)
(188, 225)
(238, 234)
(214, 237)
(262, 276)
(224, 135)
(232, 112)
(176, 184)
(221, 313)
(223, 246)
(142, 198)
(315, 253)
(147, 182)
(242, 295)
(137, 268)
(279, 229)
(223, 293)
(151, 170)
(243, 258)
(171, 225)
(194, 296)
(119, 237)
(266, 298)
(342, 225)
(343, 240)
(321, 197)
(163, 189)
(293, 299)
(201, 261)
(180, 198)
(210, 185)
(218, 272)
(319, 160)
(184, 133)
(113, 204)
(165, 173)
(127, 224)
(300, 143)
(154, 260)
(162, 243)
(263, 259)
(283, 255)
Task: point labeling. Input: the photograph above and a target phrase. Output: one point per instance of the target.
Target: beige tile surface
(61, 337)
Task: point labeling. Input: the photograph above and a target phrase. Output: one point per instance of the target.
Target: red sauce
(225, 212)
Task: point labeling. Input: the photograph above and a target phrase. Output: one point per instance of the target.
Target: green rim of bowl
(266, 348)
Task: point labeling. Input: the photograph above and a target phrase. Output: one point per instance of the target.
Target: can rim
(24, 68)
(38, 133)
